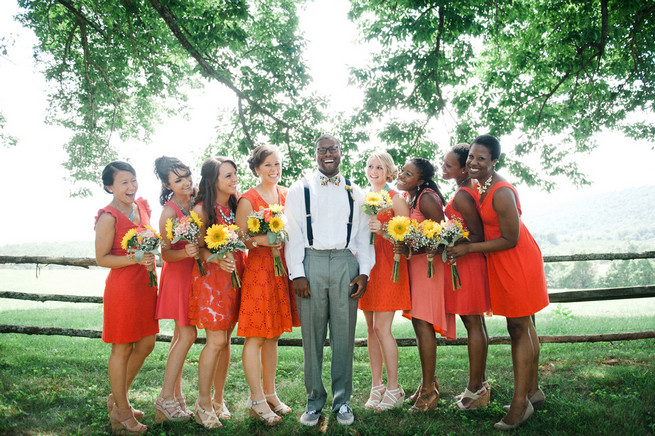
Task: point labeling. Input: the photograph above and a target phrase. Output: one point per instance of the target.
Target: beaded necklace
(487, 184)
(184, 212)
(226, 220)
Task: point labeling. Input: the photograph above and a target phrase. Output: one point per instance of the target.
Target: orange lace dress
(214, 303)
(268, 305)
(128, 302)
(383, 295)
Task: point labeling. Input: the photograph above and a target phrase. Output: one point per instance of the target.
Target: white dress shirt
(329, 210)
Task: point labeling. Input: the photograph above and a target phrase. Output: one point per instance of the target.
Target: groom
(327, 229)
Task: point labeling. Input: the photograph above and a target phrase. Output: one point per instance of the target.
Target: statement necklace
(226, 220)
(485, 187)
(184, 212)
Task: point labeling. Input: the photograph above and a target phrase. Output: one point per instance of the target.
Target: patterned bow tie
(334, 180)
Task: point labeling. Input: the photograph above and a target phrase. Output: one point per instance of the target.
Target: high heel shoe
(426, 401)
(206, 418)
(501, 425)
(412, 398)
(392, 398)
(281, 408)
(181, 401)
(537, 399)
(168, 410)
(485, 384)
(270, 418)
(110, 405)
(221, 410)
(123, 420)
(375, 397)
(479, 399)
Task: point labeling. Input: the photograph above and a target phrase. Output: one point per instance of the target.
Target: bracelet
(131, 257)
(410, 254)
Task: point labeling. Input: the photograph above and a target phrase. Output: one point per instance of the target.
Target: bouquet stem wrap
(454, 273)
(372, 238)
(201, 269)
(430, 265)
(236, 281)
(396, 266)
(277, 263)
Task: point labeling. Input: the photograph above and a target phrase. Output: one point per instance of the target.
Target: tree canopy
(546, 74)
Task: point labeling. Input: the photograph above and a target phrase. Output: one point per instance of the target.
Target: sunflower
(169, 229)
(195, 218)
(399, 227)
(276, 208)
(253, 225)
(126, 239)
(276, 224)
(387, 198)
(217, 235)
(373, 199)
(430, 228)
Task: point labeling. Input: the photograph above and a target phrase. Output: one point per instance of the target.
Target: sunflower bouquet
(374, 203)
(271, 222)
(186, 229)
(223, 240)
(140, 243)
(425, 235)
(451, 232)
(398, 228)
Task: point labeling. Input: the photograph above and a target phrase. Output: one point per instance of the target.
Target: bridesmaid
(175, 285)
(428, 311)
(214, 303)
(471, 300)
(267, 306)
(383, 297)
(129, 323)
(509, 248)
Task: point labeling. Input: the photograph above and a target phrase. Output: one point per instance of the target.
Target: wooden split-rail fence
(572, 296)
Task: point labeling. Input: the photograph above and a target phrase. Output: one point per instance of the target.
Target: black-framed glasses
(322, 151)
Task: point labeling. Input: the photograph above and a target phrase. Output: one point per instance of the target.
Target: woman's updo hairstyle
(461, 150)
(259, 155)
(491, 143)
(111, 169)
(426, 171)
(387, 161)
(163, 167)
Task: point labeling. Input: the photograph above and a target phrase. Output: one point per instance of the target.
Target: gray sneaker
(310, 418)
(345, 415)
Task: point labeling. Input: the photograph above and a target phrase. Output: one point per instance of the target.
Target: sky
(34, 184)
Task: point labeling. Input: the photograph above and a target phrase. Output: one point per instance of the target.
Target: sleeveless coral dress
(383, 295)
(214, 303)
(472, 298)
(128, 302)
(175, 284)
(517, 282)
(268, 306)
(428, 299)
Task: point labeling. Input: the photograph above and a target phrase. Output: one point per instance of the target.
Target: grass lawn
(58, 385)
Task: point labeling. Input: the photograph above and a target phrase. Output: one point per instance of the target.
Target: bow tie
(334, 180)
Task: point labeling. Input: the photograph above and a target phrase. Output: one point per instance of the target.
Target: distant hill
(621, 221)
(54, 249)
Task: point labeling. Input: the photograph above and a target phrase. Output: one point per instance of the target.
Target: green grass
(58, 385)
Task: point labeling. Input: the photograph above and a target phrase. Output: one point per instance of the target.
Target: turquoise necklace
(226, 220)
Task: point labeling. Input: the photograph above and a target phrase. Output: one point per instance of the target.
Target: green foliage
(6, 140)
(546, 69)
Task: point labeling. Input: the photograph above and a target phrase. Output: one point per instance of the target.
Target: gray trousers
(329, 273)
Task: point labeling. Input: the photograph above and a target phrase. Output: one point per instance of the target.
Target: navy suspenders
(308, 215)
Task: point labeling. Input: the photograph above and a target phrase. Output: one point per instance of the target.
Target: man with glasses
(327, 229)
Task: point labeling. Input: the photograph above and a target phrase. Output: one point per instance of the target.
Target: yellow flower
(465, 234)
(233, 227)
(217, 235)
(253, 225)
(373, 198)
(126, 239)
(169, 229)
(387, 198)
(276, 208)
(195, 218)
(276, 224)
(399, 227)
(430, 228)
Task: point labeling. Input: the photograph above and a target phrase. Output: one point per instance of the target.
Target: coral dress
(129, 303)
(214, 303)
(517, 282)
(428, 299)
(175, 284)
(383, 295)
(472, 298)
(268, 306)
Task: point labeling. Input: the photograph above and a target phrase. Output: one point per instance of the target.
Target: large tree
(543, 75)
(551, 73)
